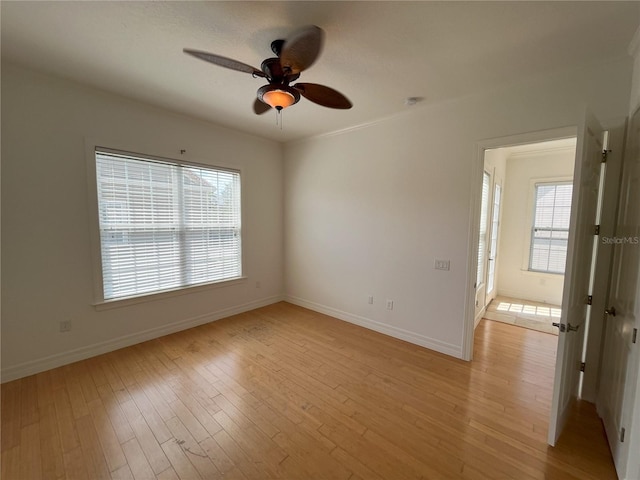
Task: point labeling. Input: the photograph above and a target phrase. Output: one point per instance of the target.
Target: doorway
(523, 233)
(597, 168)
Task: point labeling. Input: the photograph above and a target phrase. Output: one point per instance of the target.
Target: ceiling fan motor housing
(272, 68)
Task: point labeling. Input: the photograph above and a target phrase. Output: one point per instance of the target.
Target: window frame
(531, 223)
(100, 303)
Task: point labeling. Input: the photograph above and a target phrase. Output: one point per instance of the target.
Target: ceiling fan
(293, 55)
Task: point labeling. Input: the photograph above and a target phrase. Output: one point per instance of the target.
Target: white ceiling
(376, 53)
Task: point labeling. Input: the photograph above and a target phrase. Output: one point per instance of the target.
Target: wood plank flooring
(283, 392)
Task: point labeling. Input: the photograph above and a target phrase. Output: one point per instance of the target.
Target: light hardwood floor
(283, 392)
(524, 313)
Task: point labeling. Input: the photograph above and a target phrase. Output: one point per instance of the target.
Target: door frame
(474, 215)
(627, 466)
(617, 136)
(613, 179)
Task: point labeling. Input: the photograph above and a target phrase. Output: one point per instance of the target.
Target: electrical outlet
(65, 326)
(370, 300)
(389, 304)
(442, 264)
(257, 284)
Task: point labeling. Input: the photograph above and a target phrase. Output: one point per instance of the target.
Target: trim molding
(406, 335)
(542, 152)
(478, 317)
(529, 296)
(59, 359)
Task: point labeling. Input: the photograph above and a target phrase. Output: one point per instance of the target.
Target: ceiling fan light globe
(278, 96)
(278, 99)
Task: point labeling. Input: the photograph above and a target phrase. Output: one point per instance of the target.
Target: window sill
(537, 273)
(152, 297)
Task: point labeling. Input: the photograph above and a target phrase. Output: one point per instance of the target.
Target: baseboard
(411, 337)
(46, 363)
(524, 296)
(476, 320)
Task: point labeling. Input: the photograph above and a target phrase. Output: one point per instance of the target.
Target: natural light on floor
(528, 309)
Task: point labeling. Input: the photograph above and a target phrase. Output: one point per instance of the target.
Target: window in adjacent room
(550, 230)
(165, 225)
(484, 217)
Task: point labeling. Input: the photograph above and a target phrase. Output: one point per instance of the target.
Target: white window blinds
(165, 225)
(550, 231)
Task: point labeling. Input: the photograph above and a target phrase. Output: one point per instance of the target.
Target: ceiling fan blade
(259, 107)
(302, 48)
(224, 62)
(325, 96)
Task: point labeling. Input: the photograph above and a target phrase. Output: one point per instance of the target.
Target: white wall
(523, 170)
(46, 257)
(368, 210)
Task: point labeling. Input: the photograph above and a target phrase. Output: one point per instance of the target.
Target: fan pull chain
(279, 117)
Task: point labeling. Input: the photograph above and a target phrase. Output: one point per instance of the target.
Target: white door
(620, 354)
(577, 272)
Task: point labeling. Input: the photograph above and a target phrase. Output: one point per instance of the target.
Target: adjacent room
(521, 279)
(240, 240)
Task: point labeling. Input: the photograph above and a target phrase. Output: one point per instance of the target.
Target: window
(550, 231)
(484, 216)
(165, 225)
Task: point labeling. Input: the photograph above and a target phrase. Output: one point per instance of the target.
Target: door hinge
(634, 337)
(622, 432)
(596, 230)
(589, 299)
(605, 155)
(582, 366)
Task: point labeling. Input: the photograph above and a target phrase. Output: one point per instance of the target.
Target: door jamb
(474, 215)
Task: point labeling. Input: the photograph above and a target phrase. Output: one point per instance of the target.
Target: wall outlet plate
(442, 264)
